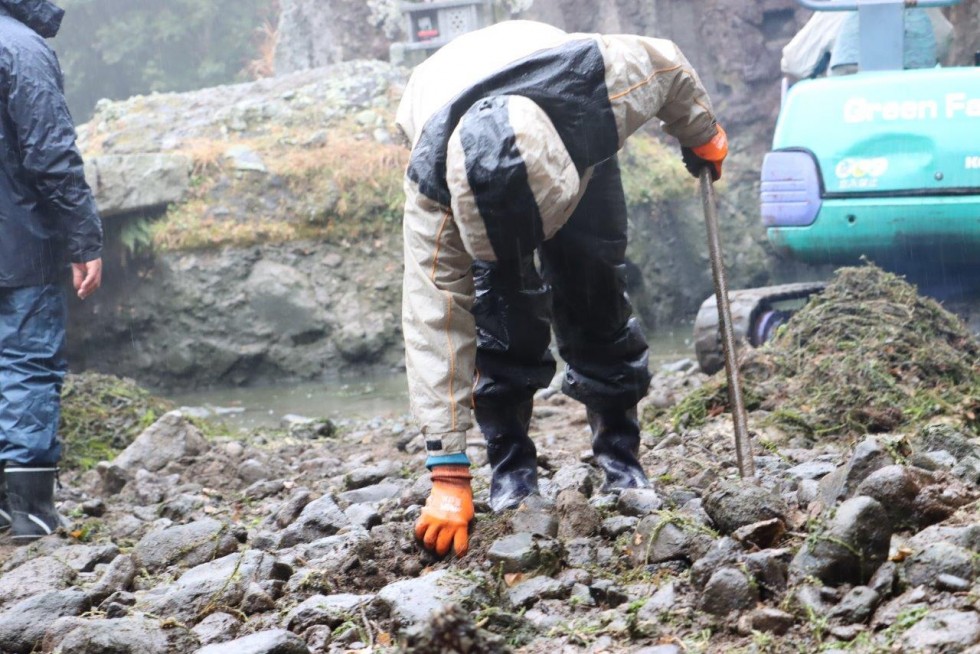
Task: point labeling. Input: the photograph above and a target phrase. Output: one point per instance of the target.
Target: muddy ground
(860, 536)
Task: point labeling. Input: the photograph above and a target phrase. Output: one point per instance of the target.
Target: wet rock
(608, 592)
(576, 517)
(735, 504)
(364, 516)
(576, 477)
(662, 602)
(925, 566)
(263, 489)
(869, 455)
(895, 487)
(169, 439)
(724, 552)
(966, 536)
(274, 641)
(310, 429)
(131, 634)
(850, 548)
(770, 620)
(36, 576)
(186, 545)
(217, 628)
(529, 592)
(668, 538)
(770, 569)
(362, 476)
(943, 631)
(222, 582)
(728, 590)
(760, 534)
(535, 515)
(618, 524)
(319, 518)
(137, 182)
(117, 577)
(330, 610)
(952, 583)
(856, 606)
(22, 625)
(638, 502)
(413, 600)
(252, 471)
(811, 470)
(84, 558)
(580, 552)
(289, 510)
(374, 493)
(883, 580)
(660, 649)
(937, 502)
(514, 553)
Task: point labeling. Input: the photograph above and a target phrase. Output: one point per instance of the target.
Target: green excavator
(881, 165)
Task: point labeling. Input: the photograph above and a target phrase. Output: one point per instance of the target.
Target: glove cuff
(451, 473)
(714, 150)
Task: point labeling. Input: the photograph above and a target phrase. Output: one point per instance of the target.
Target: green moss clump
(867, 355)
(101, 415)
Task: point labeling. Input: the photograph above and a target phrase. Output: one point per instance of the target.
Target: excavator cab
(882, 164)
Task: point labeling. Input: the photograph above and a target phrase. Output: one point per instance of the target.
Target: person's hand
(446, 516)
(86, 277)
(712, 154)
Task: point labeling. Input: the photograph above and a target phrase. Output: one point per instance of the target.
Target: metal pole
(743, 445)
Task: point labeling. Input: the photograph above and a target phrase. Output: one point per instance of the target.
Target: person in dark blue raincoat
(47, 219)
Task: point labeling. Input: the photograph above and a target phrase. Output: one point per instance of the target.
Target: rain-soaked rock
(669, 537)
(536, 515)
(186, 545)
(729, 590)
(770, 620)
(529, 592)
(330, 610)
(514, 553)
(576, 517)
(965, 536)
(84, 558)
(375, 492)
(217, 628)
(576, 477)
(274, 641)
(638, 502)
(118, 576)
(22, 625)
(856, 606)
(35, 576)
(220, 583)
(662, 602)
(735, 504)
(410, 601)
(169, 439)
(362, 476)
(760, 534)
(724, 552)
(945, 630)
(770, 568)
(850, 548)
(926, 566)
(896, 488)
(870, 455)
(135, 635)
(319, 518)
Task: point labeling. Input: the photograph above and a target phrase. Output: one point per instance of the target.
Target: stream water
(365, 397)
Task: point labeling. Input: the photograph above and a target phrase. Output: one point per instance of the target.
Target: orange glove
(712, 154)
(446, 516)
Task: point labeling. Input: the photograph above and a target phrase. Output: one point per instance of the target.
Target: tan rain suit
(572, 101)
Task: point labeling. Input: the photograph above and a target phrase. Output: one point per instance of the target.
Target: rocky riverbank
(299, 539)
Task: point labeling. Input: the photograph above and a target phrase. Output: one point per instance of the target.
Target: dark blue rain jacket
(47, 212)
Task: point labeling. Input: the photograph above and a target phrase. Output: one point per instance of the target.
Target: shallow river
(361, 397)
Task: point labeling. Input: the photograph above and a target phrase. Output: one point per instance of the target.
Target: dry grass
(264, 65)
(205, 154)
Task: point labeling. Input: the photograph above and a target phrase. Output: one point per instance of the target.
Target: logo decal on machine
(972, 163)
(855, 173)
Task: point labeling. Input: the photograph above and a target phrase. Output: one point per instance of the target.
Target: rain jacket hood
(40, 15)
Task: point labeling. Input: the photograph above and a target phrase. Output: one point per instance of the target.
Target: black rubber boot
(30, 493)
(616, 445)
(512, 455)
